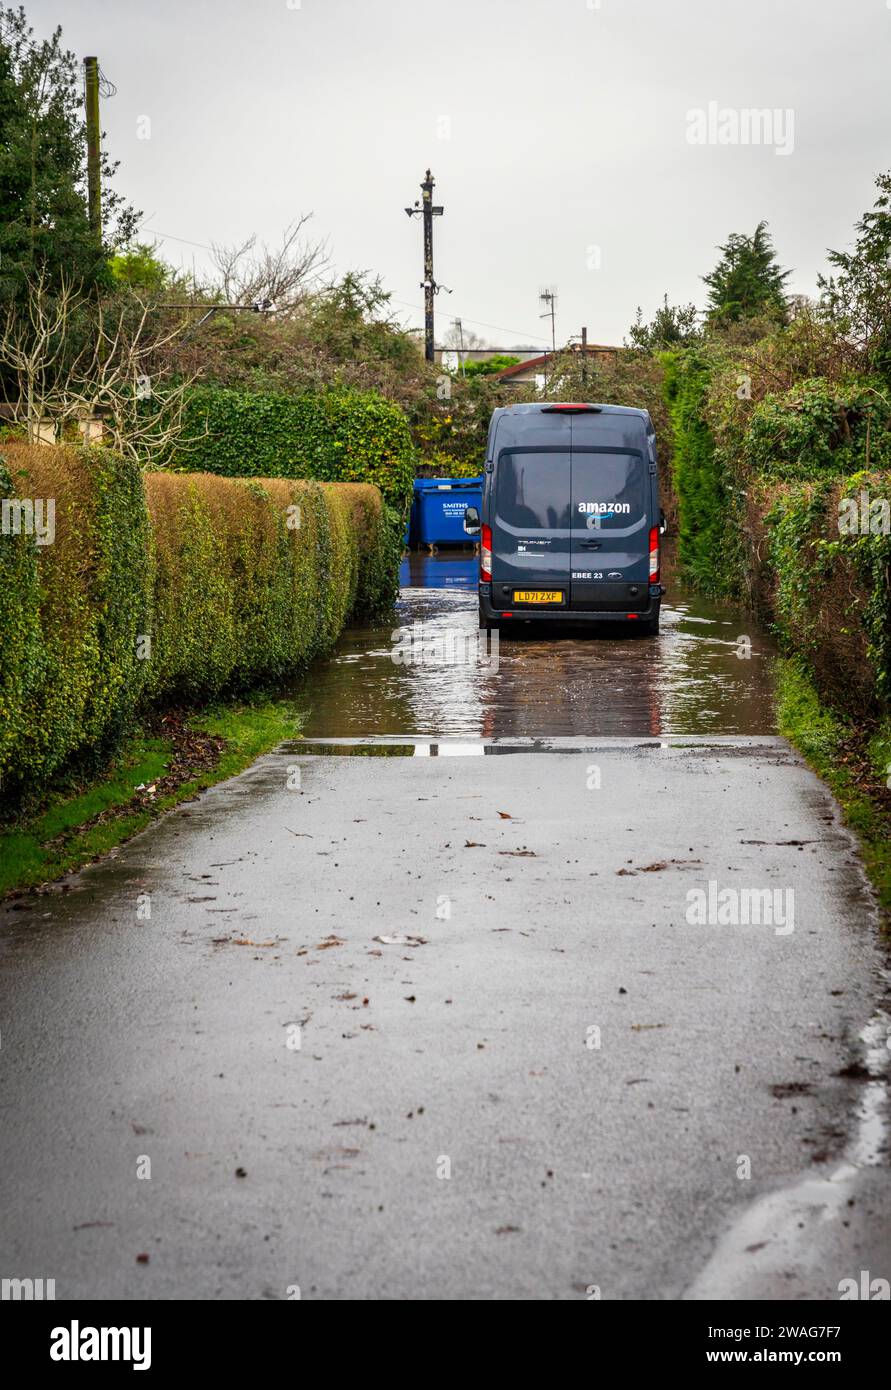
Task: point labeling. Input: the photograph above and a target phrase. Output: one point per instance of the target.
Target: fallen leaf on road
(246, 941)
(505, 1230)
(855, 1071)
(329, 942)
(505, 815)
(398, 940)
(520, 853)
(642, 1027)
(473, 844)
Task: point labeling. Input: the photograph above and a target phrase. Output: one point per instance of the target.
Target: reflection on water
(689, 680)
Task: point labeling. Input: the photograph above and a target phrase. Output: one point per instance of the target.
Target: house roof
(534, 363)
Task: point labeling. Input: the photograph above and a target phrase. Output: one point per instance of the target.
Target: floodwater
(421, 673)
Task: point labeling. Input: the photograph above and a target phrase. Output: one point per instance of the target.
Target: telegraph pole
(91, 109)
(584, 357)
(428, 211)
(549, 297)
(459, 326)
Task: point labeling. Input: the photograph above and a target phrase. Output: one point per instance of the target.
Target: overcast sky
(557, 130)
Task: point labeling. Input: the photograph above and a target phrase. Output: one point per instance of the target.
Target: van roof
(536, 407)
(613, 426)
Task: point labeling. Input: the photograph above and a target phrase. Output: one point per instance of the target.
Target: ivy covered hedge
(763, 479)
(827, 583)
(164, 588)
(345, 436)
(818, 427)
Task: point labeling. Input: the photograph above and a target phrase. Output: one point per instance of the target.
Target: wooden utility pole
(549, 297)
(584, 356)
(428, 211)
(94, 166)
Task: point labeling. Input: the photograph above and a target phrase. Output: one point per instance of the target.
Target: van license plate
(538, 595)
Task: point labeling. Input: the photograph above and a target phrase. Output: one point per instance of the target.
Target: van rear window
(532, 490)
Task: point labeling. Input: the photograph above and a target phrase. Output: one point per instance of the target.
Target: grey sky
(568, 132)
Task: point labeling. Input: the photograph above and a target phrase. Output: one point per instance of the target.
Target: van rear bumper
(496, 613)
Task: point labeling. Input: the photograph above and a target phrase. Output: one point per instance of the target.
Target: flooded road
(708, 672)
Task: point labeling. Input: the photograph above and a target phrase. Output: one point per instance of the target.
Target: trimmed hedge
(235, 582)
(252, 580)
(70, 611)
(344, 436)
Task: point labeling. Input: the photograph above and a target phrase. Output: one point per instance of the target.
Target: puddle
(537, 684)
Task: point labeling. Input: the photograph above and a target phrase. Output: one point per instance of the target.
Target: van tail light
(654, 554)
(486, 554)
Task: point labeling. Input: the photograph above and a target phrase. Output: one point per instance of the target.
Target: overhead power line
(403, 303)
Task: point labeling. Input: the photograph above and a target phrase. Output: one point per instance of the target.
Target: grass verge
(854, 762)
(161, 765)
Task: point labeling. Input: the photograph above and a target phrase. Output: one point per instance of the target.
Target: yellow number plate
(538, 595)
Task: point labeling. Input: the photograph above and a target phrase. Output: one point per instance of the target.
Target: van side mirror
(472, 523)
(663, 524)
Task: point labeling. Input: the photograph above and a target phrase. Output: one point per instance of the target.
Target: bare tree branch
(248, 275)
(120, 373)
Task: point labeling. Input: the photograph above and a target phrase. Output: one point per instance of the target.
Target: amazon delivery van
(570, 524)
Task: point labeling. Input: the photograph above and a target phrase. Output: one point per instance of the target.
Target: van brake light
(576, 406)
(654, 554)
(486, 554)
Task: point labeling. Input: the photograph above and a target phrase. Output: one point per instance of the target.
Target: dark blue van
(570, 522)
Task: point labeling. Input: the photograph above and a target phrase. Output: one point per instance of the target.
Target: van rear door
(531, 525)
(611, 495)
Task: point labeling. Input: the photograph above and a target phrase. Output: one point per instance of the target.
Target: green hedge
(165, 587)
(708, 509)
(345, 436)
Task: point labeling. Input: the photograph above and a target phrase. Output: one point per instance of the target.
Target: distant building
(450, 356)
(533, 371)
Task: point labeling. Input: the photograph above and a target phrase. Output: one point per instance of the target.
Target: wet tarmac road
(547, 1080)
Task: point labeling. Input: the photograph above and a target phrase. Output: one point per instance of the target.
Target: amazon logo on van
(604, 508)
